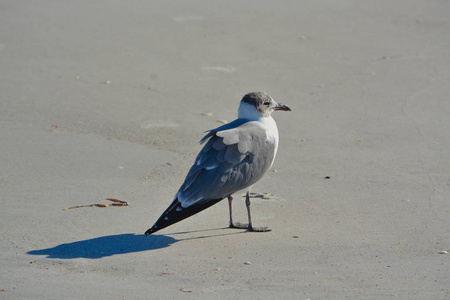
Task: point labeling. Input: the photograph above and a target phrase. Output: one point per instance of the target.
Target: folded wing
(234, 157)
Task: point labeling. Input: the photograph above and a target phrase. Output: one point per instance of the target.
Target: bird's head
(259, 104)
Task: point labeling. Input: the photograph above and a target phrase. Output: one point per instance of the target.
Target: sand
(107, 99)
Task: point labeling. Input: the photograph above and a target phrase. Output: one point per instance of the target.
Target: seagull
(236, 155)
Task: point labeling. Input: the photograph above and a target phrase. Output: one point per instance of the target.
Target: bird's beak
(282, 107)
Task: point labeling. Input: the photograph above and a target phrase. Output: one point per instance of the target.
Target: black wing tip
(150, 231)
(157, 227)
(175, 213)
(162, 221)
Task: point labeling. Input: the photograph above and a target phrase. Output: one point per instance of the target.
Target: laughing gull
(235, 156)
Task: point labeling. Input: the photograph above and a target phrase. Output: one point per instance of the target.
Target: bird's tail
(175, 213)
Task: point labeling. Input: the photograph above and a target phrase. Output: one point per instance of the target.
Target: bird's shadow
(110, 245)
(106, 246)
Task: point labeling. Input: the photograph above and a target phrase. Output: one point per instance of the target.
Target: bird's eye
(266, 103)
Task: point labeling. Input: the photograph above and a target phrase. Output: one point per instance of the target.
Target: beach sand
(108, 99)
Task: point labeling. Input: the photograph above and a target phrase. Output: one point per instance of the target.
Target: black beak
(282, 107)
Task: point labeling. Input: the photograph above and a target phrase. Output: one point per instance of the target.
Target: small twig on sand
(117, 203)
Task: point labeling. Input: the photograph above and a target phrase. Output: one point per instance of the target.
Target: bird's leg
(230, 200)
(247, 204)
(250, 227)
(234, 225)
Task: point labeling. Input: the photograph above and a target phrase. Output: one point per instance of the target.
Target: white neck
(249, 112)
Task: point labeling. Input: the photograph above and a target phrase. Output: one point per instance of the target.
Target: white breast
(249, 112)
(272, 133)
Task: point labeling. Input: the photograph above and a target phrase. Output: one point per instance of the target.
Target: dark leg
(230, 199)
(250, 227)
(234, 225)
(247, 203)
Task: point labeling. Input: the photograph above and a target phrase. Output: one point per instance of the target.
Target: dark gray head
(263, 103)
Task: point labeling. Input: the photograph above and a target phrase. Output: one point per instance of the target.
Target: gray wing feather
(230, 136)
(232, 154)
(218, 144)
(231, 160)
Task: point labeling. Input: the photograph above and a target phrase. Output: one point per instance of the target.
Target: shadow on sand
(119, 244)
(106, 246)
